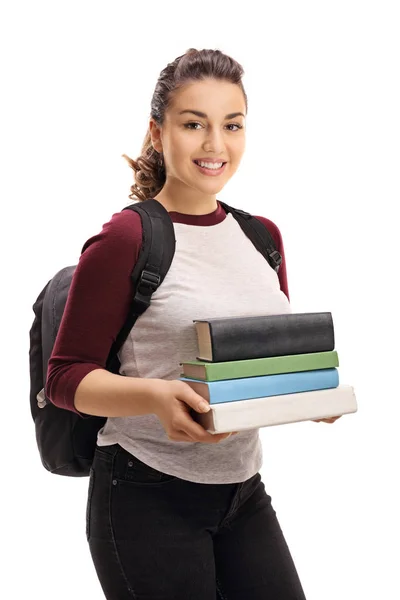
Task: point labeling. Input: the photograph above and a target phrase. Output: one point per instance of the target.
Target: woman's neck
(188, 202)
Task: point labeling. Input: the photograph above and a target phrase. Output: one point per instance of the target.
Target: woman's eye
(189, 125)
(237, 125)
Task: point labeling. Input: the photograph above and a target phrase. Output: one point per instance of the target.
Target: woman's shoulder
(272, 228)
(122, 231)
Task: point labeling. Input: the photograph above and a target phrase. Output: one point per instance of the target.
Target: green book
(258, 367)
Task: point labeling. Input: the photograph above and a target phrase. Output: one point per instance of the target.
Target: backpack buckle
(150, 280)
(148, 283)
(277, 259)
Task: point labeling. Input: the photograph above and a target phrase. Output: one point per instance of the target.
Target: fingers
(327, 420)
(184, 428)
(199, 434)
(186, 394)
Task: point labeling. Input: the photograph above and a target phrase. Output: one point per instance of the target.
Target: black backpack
(66, 440)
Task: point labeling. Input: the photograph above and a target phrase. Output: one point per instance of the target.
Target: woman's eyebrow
(204, 116)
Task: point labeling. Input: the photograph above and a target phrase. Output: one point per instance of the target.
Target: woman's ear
(155, 134)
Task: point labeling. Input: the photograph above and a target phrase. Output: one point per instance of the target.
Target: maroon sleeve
(276, 236)
(96, 308)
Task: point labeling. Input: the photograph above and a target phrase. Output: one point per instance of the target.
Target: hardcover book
(232, 390)
(244, 338)
(278, 410)
(238, 369)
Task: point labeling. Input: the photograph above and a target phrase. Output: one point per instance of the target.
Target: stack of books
(267, 370)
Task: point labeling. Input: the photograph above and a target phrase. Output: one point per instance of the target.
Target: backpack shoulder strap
(154, 261)
(257, 233)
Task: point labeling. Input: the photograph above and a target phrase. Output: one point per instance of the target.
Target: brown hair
(194, 65)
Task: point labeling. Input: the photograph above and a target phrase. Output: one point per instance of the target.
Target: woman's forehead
(209, 96)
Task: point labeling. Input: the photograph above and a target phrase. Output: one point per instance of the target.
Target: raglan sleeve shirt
(98, 303)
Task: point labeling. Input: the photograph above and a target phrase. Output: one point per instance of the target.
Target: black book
(245, 338)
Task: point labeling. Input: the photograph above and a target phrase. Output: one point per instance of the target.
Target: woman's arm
(96, 309)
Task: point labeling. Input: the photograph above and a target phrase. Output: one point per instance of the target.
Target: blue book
(231, 390)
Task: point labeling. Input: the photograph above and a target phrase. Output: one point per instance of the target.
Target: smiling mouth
(210, 168)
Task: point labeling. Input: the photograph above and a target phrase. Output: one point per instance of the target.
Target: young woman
(174, 512)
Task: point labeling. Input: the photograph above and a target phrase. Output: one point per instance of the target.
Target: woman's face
(205, 123)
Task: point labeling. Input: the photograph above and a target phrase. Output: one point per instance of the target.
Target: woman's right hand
(172, 402)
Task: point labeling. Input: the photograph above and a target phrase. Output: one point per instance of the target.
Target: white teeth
(209, 165)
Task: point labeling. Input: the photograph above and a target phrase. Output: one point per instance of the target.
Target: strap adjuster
(149, 280)
(277, 259)
(148, 283)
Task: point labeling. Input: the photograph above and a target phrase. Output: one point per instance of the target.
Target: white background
(322, 161)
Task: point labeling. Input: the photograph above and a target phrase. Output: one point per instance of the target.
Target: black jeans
(157, 537)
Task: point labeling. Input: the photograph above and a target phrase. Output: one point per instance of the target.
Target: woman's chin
(211, 188)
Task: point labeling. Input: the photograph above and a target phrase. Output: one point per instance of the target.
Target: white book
(278, 410)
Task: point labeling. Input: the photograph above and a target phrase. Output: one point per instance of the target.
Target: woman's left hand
(329, 420)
